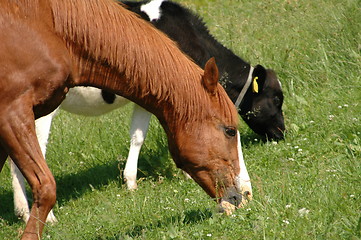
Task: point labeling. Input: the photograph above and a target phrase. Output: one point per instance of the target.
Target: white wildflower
(303, 212)
(286, 221)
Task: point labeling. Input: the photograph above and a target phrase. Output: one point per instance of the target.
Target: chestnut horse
(190, 35)
(48, 46)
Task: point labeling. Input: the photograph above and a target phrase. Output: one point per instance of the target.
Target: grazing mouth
(226, 207)
(230, 204)
(276, 134)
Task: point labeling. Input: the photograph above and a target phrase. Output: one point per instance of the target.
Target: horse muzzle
(234, 199)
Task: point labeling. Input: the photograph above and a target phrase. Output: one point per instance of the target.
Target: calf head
(262, 105)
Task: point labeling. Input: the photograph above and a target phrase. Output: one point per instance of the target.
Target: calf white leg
(20, 200)
(21, 205)
(138, 132)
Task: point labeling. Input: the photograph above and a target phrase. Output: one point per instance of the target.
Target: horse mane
(145, 60)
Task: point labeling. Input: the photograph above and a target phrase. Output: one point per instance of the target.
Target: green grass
(315, 47)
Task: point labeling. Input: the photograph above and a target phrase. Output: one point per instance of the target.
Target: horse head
(208, 147)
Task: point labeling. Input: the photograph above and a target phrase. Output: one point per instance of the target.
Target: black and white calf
(255, 91)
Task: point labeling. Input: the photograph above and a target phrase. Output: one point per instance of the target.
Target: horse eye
(230, 131)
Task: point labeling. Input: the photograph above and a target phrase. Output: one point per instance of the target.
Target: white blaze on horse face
(152, 9)
(243, 182)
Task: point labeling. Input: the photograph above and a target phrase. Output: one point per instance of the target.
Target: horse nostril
(247, 194)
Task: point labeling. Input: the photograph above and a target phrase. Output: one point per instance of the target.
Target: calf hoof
(23, 216)
(51, 218)
(132, 185)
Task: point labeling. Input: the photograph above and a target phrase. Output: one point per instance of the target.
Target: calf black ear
(258, 79)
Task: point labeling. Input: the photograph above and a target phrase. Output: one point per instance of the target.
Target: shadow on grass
(74, 185)
(248, 138)
(68, 187)
(7, 208)
(189, 217)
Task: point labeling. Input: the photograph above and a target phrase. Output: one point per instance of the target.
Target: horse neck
(172, 105)
(115, 50)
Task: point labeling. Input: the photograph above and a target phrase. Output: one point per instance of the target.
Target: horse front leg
(138, 132)
(42, 126)
(21, 205)
(18, 138)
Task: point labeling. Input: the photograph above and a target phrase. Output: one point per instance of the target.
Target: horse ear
(211, 76)
(258, 79)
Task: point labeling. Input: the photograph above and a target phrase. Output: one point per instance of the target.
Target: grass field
(305, 187)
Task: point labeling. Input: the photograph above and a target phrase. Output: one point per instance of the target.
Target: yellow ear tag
(255, 85)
